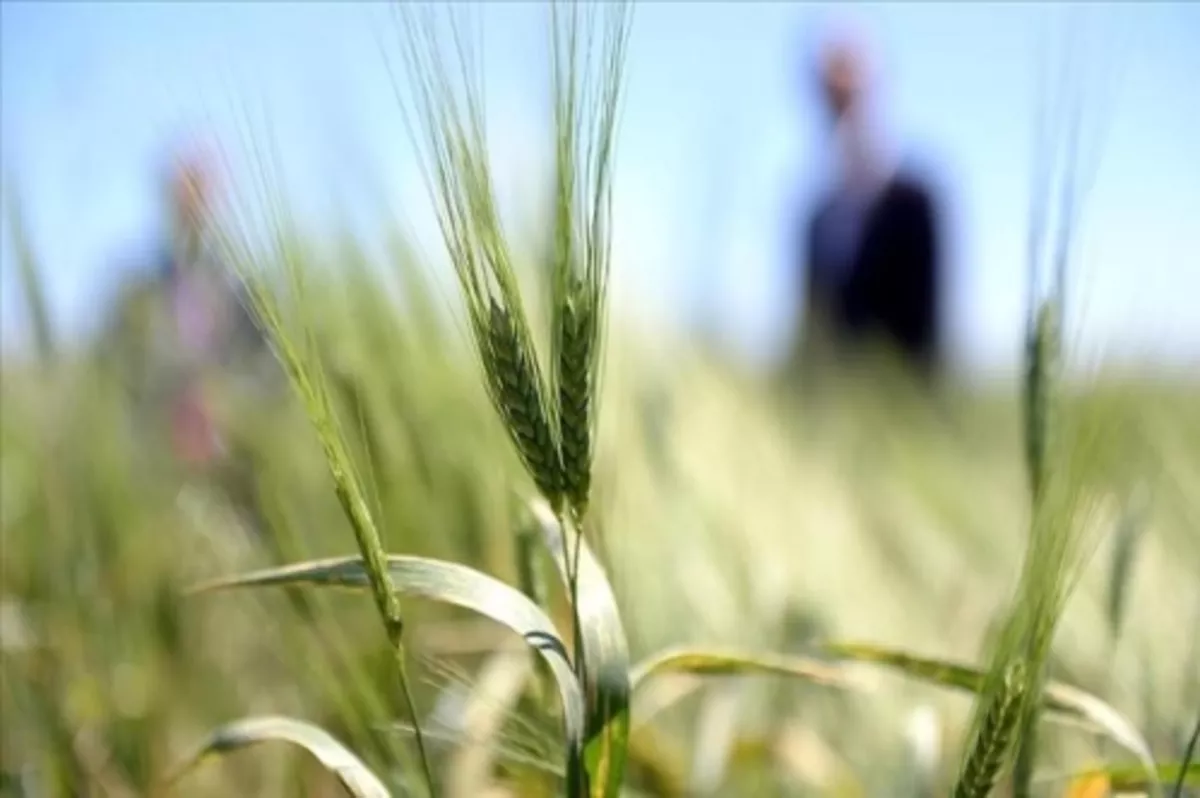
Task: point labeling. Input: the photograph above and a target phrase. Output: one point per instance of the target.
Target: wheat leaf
(605, 655)
(453, 584)
(714, 662)
(1060, 702)
(356, 777)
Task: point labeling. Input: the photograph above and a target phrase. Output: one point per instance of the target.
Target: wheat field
(814, 566)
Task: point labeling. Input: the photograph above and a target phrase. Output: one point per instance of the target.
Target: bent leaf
(1062, 703)
(715, 662)
(356, 777)
(735, 663)
(605, 656)
(453, 584)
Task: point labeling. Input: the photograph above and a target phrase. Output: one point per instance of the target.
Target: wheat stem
(1027, 743)
(532, 581)
(302, 363)
(1187, 760)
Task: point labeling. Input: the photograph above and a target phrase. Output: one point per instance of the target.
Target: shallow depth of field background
(731, 514)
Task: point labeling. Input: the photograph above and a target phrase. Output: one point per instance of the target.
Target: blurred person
(186, 326)
(870, 248)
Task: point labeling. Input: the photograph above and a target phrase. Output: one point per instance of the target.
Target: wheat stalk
(295, 345)
(1060, 542)
(1060, 548)
(551, 423)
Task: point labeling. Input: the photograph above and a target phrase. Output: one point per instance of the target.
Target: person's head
(188, 181)
(845, 76)
(842, 74)
(189, 185)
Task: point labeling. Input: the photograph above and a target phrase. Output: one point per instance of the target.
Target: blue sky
(719, 141)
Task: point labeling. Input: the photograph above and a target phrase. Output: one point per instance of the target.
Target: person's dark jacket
(891, 287)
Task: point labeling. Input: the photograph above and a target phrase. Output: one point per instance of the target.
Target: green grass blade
(453, 584)
(1187, 761)
(30, 271)
(1060, 702)
(358, 780)
(605, 655)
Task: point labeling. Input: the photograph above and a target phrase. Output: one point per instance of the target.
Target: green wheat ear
(514, 384)
(575, 386)
(1062, 537)
(995, 737)
(446, 119)
(551, 423)
(1042, 361)
(587, 96)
